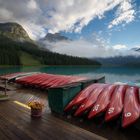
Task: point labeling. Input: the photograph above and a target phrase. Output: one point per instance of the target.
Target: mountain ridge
(55, 37)
(14, 31)
(15, 42)
(120, 61)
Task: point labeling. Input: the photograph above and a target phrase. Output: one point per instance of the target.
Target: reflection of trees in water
(5, 70)
(51, 69)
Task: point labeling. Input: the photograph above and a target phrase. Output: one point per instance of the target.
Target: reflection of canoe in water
(131, 111)
(81, 96)
(102, 101)
(116, 104)
(89, 102)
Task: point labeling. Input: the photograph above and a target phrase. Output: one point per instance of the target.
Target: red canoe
(116, 104)
(61, 82)
(38, 79)
(28, 79)
(12, 75)
(67, 80)
(51, 82)
(45, 83)
(89, 102)
(102, 101)
(131, 111)
(81, 96)
(41, 80)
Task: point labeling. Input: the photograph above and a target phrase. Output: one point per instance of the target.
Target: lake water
(112, 74)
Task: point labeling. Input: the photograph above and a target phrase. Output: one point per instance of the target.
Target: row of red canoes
(111, 100)
(16, 75)
(43, 80)
(7, 76)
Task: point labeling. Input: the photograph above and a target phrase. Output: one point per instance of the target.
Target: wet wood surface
(16, 123)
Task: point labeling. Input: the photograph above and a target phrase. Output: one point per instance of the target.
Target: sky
(110, 23)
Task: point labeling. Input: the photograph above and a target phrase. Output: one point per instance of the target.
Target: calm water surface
(112, 74)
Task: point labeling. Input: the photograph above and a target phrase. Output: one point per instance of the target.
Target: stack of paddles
(110, 100)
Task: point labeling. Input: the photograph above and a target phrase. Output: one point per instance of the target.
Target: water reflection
(112, 74)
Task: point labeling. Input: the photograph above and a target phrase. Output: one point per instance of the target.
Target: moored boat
(116, 104)
(38, 80)
(26, 79)
(102, 101)
(131, 112)
(89, 102)
(81, 96)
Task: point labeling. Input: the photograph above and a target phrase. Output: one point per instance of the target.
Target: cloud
(119, 47)
(124, 14)
(32, 4)
(41, 16)
(96, 47)
(26, 12)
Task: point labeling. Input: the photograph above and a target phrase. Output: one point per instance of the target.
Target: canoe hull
(116, 104)
(131, 112)
(102, 102)
(81, 97)
(89, 102)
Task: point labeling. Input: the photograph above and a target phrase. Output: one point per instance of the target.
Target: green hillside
(28, 59)
(16, 48)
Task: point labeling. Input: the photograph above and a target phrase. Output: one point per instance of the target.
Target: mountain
(16, 48)
(137, 49)
(120, 61)
(48, 42)
(13, 31)
(55, 37)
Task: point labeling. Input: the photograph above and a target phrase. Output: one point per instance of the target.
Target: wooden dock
(16, 123)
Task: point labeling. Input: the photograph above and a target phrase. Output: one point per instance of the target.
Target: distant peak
(55, 37)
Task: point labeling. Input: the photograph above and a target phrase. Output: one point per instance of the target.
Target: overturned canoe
(81, 96)
(89, 102)
(13, 76)
(41, 81)
(38, 79)
(116, 104)
(51, 82)
(102, 101)
(60, 82)
(68, 80)
(46, 82)
(131, 111)
(28, 79)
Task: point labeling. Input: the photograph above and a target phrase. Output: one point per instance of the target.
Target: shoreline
(6, 66)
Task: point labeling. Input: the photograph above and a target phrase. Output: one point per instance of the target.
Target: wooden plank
(11, 131)
(43, 128)
(16, 120)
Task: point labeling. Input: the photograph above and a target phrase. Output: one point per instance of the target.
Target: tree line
(10, 54)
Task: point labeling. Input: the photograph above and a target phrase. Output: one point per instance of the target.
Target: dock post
(5, 87)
